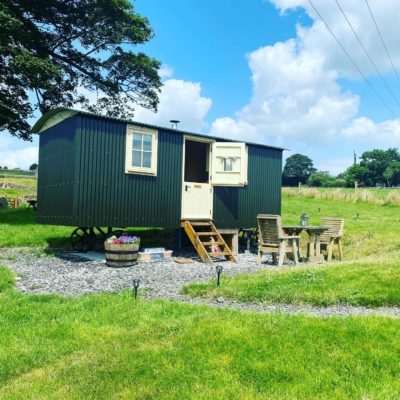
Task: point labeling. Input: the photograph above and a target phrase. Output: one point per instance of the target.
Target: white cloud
(178, 99)
(231, 129)
(22, 158)
(294, 97)
(181, 100)
(334, 165)
(166, 71)
(284, 5)
(317, 38)
(386, 133)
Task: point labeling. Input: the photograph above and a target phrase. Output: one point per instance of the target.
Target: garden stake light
(136, 283)
(219, 269)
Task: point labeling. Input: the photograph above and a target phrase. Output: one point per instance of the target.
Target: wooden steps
(206, 230)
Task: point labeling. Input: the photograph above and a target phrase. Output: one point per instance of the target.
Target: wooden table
(314, 244)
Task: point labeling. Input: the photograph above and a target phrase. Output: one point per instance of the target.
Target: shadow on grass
(149, 237)
(17, 216)
(20, 228)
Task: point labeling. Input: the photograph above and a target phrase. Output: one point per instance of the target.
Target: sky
(271, 72)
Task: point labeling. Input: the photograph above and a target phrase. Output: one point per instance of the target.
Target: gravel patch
(325, 312)
(68, 275)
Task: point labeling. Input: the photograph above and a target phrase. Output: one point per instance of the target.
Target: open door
(229, 164)
(197, 192)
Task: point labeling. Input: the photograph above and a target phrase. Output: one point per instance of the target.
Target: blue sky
(270, 72)
(207, 41)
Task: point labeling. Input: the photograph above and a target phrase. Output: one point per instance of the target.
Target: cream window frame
(129, 168)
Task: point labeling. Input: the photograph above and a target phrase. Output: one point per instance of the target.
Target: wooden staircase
(206, 240)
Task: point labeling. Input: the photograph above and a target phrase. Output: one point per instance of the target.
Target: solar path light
(219, 269)
(136, 283)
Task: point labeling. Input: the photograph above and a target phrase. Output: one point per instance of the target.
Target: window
(141, 151)
(228, 164)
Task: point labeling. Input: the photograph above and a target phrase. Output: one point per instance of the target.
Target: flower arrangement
(123, 239)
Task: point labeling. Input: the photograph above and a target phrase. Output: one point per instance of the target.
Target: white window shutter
(229, 164)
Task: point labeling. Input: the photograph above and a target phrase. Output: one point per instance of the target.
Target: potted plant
(121, 251)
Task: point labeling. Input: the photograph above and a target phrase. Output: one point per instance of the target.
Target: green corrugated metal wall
(238, 207)
(106, 196)
(56, 174)
(82, 180)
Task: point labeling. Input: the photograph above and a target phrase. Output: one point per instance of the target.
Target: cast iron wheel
(255, 239)
(83, 239)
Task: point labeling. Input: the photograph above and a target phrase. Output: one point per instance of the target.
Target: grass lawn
(18, 227)
(107, 347)
(370, 277)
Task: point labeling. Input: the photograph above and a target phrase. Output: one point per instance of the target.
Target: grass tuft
(6, 279)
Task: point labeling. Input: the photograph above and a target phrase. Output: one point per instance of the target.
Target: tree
(323, 179)
(375, 167)
(57, 51)
(356, 172)
(392, 173)
(298, 168)
(376, 162)
(33, 167)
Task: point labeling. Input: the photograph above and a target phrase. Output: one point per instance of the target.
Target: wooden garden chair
(332, 236)
(273, 240)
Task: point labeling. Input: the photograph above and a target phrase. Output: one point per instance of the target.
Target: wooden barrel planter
(121, 255)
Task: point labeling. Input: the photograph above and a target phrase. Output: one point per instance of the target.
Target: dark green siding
(56, 174)
(238, 207)
(82, 180)
(106, 196)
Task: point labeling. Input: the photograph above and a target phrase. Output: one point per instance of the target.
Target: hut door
(197, 192)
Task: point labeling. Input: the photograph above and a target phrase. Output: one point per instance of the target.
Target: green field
(15, 172)
(369, 276)
(26, 185)
(379, 196)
